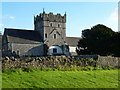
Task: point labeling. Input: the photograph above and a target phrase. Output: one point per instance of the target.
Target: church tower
(52, 28)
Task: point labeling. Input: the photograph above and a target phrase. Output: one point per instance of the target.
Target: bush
(28, 69)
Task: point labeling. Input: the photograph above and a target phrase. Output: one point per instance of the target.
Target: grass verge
(60, 79)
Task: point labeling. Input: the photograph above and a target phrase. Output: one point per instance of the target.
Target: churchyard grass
(35, 78)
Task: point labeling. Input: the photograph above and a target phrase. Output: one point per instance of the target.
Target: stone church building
(47, 38)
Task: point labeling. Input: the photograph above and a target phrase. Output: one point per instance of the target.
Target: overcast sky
(80, 15)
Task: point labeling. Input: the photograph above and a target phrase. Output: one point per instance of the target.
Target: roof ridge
(73, 37)
(18, 29)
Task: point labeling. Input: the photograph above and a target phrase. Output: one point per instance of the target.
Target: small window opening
(18, 52)
(58, 25)
(46, 35)
(54, 36)
(51, 24)
(54, 50)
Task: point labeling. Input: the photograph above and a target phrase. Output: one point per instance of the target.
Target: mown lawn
(60, 79)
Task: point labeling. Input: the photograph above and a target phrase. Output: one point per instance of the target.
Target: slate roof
(31, 36)
(22, 36)
(72, 41)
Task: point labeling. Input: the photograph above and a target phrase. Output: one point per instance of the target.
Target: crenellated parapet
(50, 17)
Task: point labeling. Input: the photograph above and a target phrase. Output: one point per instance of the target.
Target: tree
(116, 44)
(82, 43)
(97, 40)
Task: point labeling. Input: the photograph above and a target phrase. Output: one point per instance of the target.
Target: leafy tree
(116, 44)
(97, 40)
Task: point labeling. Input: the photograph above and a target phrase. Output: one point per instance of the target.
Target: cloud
(1, 25)
(114, 15)
(112, 20)
(11, 17)
(7, 17)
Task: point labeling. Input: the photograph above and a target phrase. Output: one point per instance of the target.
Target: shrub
(28, 69)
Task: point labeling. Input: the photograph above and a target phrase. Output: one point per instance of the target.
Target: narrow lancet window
(46, 35)
(54, 36)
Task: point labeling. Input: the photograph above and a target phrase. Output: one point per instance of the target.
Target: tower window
(51, 24)
(46, 35)
(54, 36)
(54, 50)
(58, 25)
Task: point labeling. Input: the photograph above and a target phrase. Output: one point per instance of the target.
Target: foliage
(36, 78)
(116, 44)
(99, 40)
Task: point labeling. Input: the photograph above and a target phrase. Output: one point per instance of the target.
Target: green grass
(60, 79)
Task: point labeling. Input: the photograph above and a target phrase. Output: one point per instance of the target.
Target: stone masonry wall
(58, 62)
(24, 49)
(108, 61)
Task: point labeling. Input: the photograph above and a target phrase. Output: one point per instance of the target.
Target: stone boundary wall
(61, 61)
(108, 61)
(103, 61)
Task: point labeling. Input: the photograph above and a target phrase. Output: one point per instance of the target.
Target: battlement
(50, 17)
